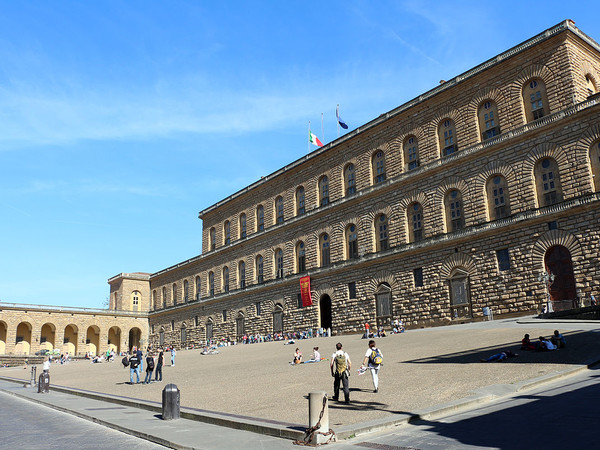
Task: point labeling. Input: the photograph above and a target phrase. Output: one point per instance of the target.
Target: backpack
(125, 361)
(341, 364)
(376, 358)
(151, 363)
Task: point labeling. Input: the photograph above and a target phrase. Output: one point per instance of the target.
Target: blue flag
(339, 119)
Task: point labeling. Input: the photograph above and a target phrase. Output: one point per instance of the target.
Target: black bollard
(44, 383)
(170, 402)
(33, 370)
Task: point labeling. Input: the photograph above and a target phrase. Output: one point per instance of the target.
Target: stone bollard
(170, 402)
(315, 406)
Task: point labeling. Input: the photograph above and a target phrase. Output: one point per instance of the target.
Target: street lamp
(547, 278)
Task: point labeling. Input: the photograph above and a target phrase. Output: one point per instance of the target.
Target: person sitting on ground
(316, 354)
(544, 344)
(502, 356)
(297, 356)
(558, 340)
(526, 343)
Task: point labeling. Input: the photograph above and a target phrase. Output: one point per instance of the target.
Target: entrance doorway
(460, 297)
(563, 293)
(325, 312)
(135, 337)
(383, 305)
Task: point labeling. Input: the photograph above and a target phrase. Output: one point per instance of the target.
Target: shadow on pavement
(580, 346)
(565, 420)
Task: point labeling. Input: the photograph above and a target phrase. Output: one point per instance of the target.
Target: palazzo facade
(454, 203)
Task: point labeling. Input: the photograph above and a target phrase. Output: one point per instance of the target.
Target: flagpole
(337, 111)
(322, 129)
(308, 136)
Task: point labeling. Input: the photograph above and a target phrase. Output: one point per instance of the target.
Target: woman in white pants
(373, 358)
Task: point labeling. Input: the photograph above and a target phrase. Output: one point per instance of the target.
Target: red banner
(305, 291)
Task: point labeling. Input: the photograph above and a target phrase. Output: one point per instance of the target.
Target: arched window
(454, 210)
(411, 153)
(415, 222)
(447, 137)
(547, 182)
(497, 194)
(212, 238)
(590, 85)
(242, 226)
(174, 289)
(186, 291)
(227, 232)
(352, 241)
(324, 191)
(595, 164)
(259, 269)
(300, 257)
(164, 297)
(279, 209)
(324, 249)
(378, 167)
(535, 99)
(211, 283)
(135, 300)
(300, 206)
(279, 262)
(198, 288)
(226, 279)
(242, 274)
(350, 180)
(488, 120)
(154, 300)
(381, 227)
(260, 218)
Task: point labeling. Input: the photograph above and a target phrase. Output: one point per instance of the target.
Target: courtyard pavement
(425, 372)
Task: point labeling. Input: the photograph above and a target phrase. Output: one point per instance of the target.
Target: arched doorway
(183, 335)
(3, 329)
(383, 305)
(278, 319)
(209, 330)
(325, 312)
(114, 339)
(48, 336)
(92, 340)
(460, 295)
(23, 341)
(563, 293)
(161, 337)
(240, 327)
(70, 340)
(135, 338)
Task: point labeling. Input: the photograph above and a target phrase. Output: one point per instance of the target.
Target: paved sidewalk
(427, 373)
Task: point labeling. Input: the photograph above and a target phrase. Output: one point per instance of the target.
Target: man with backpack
(373, 358)
(149, 368)
(340, 370)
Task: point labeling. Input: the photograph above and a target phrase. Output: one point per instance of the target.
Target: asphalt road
(26, 425)
(556, 416)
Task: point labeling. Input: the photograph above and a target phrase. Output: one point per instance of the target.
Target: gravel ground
(421, 368)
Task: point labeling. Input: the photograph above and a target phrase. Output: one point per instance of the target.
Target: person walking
(141, 358)
(372, 361)
(134, 366)
(159, 365)
(173, 353)
(340, 369)
(149, 368)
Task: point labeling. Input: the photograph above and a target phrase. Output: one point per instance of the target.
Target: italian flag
(313, 139)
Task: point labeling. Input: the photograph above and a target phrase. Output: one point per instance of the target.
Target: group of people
(341, 365)
(135, 362)
(556, 341)
(298, 358)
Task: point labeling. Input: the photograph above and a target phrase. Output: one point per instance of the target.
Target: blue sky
(119, 121)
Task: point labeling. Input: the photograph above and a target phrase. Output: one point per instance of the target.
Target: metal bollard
(44, 383)
(317, 405)
(170, 402)
(33, 377)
